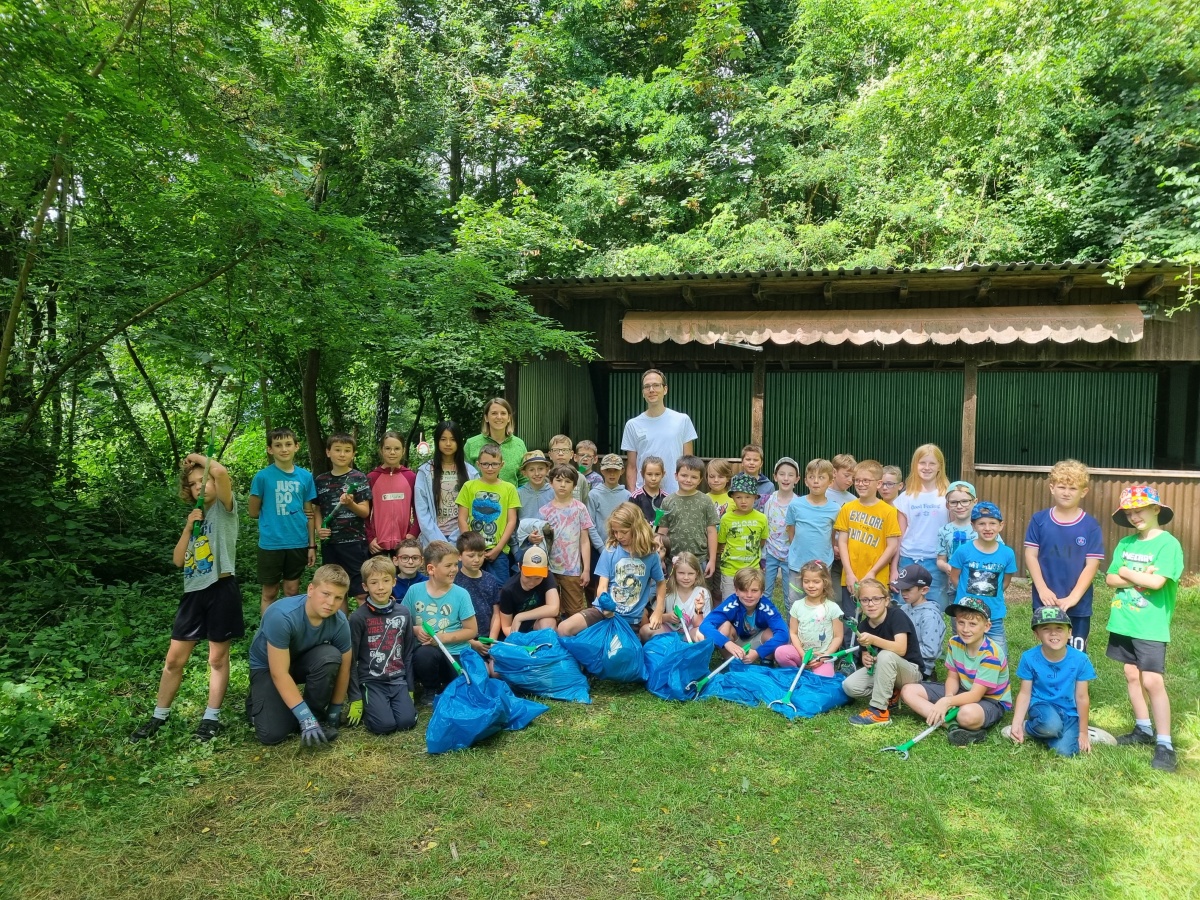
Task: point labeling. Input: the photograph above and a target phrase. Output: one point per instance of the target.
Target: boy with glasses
(659, 432)
(868, 535)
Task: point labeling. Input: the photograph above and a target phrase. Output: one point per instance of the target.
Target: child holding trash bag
(747, 618)
(815, 621)
(687, 592)
(629, 570)
(448, 609)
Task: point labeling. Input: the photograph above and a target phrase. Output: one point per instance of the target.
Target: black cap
(912, 575)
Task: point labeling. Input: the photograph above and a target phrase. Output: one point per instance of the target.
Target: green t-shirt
(1137, 612)
(743, 537)
(511, 453)
(687, 519)
(487, 507)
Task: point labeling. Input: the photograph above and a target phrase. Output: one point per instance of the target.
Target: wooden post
(511, 384)
(970, 402)
(756, 403)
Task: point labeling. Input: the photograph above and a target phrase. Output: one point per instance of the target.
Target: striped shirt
(987, 667)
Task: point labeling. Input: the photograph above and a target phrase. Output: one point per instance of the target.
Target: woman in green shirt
(497, 428)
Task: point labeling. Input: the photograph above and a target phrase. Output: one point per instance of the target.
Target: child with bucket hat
(1145, 570)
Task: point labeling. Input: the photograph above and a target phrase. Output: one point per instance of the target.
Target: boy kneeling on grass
(1053, 704)
(381, 631)
(302, 640)
(976, 680)
(747, 618)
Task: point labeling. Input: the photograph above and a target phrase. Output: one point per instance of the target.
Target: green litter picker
(903, 749)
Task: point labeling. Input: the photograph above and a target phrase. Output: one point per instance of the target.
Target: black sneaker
(1136, 737)
(960, 737)
(331, 733)
(147, 729)
(1164, 758)
(207, 730)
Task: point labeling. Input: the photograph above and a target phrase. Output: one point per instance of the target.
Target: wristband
(312, 546)
(302, 712)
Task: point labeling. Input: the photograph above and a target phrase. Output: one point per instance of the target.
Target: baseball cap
(912, 575)
(970, 604)
(534, 456)
(1139, 496)
(1050, 615)
(786, 461)
(533, 562)
(985, 508)
(741, 483)
(612, 461)
(964, 486)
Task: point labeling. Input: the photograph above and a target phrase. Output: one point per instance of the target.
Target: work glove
(334, 717)
(355, 715)
(311, 732)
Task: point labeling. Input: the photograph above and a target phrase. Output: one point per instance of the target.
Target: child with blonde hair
(629, 571)
(815, 621)
(922, 510)
(685, 589)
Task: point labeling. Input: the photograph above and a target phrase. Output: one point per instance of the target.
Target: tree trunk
(383, 406)
(416, 426)
(312, 422)
(202, 431)
(127, 414)
(158, 404)
(69, 467)
(266, 399)
(456, 165)
(237, 420)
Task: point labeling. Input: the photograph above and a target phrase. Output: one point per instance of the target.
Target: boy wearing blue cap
(1145, 569)
(984, 567)
(1053, 704)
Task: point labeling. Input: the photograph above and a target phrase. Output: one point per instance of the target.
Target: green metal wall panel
(1105, 419)
(882, 414)
(718, 402)
(554, 397)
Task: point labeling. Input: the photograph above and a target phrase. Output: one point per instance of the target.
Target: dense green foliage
(219, 217)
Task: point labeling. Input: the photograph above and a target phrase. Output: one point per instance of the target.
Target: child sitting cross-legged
(890, 655)
(815, 622)
(1053, 704)
(382, 641)
(976, 678)
(686, 590)
(747, 618)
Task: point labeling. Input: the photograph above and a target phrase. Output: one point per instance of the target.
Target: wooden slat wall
(1020, 491)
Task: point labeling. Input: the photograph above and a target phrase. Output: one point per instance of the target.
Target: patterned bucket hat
(741, 483)
(1139, 496)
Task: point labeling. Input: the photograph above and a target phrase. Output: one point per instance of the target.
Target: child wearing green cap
(1145, 570)
(742, 532)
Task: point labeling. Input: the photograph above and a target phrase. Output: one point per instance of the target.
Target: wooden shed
(1007, 367)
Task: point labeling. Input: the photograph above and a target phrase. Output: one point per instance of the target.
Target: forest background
(216, 217)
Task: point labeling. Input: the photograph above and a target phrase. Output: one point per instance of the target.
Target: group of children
(872, 573)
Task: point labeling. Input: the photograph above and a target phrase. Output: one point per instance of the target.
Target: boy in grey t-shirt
(211, 608)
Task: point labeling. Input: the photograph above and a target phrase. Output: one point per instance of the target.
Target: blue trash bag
(671, 664)
(536, 662)
(759, 685)
(608, 650)
(467, 713)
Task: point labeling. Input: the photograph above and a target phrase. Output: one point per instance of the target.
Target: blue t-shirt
(631, 580)
(814, 531)
(444, 613)
(1063, 550)
(1054, 682)
(982, 575)
(485, 593)
(400, 589)
(285, 625)
(282, 524)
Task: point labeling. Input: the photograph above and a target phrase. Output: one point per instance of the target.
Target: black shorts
(1148, 656)
(350, 556)
(275, 566)
(213, 613)
(993, 710)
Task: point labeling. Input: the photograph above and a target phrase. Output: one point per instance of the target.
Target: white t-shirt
(926, 514)
(662, 436)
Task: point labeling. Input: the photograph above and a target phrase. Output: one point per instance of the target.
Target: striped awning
(999, 325)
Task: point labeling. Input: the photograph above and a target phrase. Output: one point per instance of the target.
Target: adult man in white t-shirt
(659, 432)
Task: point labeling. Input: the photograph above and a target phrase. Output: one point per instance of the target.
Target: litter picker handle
(687, 631)
(718, 670)
(346, 489)
(198, 526)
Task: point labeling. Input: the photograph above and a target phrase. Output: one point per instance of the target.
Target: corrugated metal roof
(1152, 266)
(1001, 325)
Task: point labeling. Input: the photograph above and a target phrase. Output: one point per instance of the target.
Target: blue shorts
(1056, 729)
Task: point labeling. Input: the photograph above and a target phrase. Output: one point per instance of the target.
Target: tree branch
(158, 404)
(54, 377)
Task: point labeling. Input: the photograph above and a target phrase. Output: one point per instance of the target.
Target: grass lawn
(632, 796)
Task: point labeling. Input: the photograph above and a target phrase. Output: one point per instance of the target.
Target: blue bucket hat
(986, 508)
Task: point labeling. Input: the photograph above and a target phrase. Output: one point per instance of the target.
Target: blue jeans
(937, 584)
(1057, 731)
(776, 569)
(996, 635)
(499, 568)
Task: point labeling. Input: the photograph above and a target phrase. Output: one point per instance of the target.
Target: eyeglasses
(865, 600)
(889, 484)
(960, 502)
(488, 465)
(863, 480)
(653, 387)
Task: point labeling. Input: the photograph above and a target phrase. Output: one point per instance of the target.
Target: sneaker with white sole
(147, 729)
(1100, 736)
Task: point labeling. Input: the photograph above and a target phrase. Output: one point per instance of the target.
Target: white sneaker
(1006, 731)
(1100, 736)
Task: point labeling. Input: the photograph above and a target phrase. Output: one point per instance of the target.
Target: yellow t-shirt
(868, 528)
(724, 504)
(487, 507)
